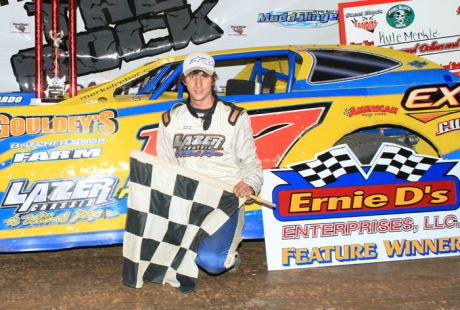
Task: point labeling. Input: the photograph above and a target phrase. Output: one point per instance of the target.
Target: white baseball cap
(198, 61)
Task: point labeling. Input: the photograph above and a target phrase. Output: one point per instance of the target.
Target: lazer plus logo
(198, 145)
(60, 194)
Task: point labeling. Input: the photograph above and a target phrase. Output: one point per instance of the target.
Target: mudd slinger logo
(335, 184)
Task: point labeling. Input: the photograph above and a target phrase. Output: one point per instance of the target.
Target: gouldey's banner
(114, 39)
(422, 27)
(333, 210)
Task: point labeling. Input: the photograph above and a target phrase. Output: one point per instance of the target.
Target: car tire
(365, 145)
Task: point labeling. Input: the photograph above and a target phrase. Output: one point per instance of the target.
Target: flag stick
(263, 201)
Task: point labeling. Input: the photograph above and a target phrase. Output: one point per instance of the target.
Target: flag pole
(263, 201)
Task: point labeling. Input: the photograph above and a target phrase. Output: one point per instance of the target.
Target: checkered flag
(403, 163)
(327, 167)
(171, 210)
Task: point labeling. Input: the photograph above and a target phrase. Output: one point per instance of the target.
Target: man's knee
(212, 264)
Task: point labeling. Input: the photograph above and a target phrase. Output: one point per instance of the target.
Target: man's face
(199, 85)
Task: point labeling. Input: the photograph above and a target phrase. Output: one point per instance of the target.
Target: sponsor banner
(66, 178)
(418, 27)
(333, 210)
(114, 42)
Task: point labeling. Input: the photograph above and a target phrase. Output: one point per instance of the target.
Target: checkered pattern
(327, 167)
(169, 215)
(403, 163)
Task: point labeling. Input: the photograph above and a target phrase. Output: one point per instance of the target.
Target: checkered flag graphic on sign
(171, 210)
(327, 167)
(403, 163)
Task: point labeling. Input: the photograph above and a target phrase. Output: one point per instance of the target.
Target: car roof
(406, 61)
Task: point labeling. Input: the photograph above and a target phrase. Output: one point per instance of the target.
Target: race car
(65, 162)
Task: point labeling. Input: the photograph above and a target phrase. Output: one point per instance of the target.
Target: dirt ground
(90, 278)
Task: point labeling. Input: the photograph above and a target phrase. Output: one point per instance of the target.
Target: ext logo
(431, 97)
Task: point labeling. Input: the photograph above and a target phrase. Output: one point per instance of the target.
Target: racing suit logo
(198, 145)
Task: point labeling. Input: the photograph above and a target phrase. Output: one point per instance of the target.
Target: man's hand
(243, 190)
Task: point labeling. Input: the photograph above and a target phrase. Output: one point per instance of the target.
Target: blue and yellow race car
(64, 173)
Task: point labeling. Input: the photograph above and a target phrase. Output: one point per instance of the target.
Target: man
(214, 138)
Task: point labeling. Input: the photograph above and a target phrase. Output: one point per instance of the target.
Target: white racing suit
(220, 146)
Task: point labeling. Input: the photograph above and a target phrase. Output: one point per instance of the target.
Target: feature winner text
(325, 254)
(394, 249)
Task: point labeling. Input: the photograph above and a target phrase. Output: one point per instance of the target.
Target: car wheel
(365, 145)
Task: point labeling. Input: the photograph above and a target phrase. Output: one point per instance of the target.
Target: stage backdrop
(115, 39)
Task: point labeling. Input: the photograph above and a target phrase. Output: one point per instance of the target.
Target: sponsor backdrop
(334, 211)
(115, 39)
(421, 27)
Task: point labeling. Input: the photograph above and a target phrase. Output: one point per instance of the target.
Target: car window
(331, 65)
(152, 81)
(250, 73)
(257, 72)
